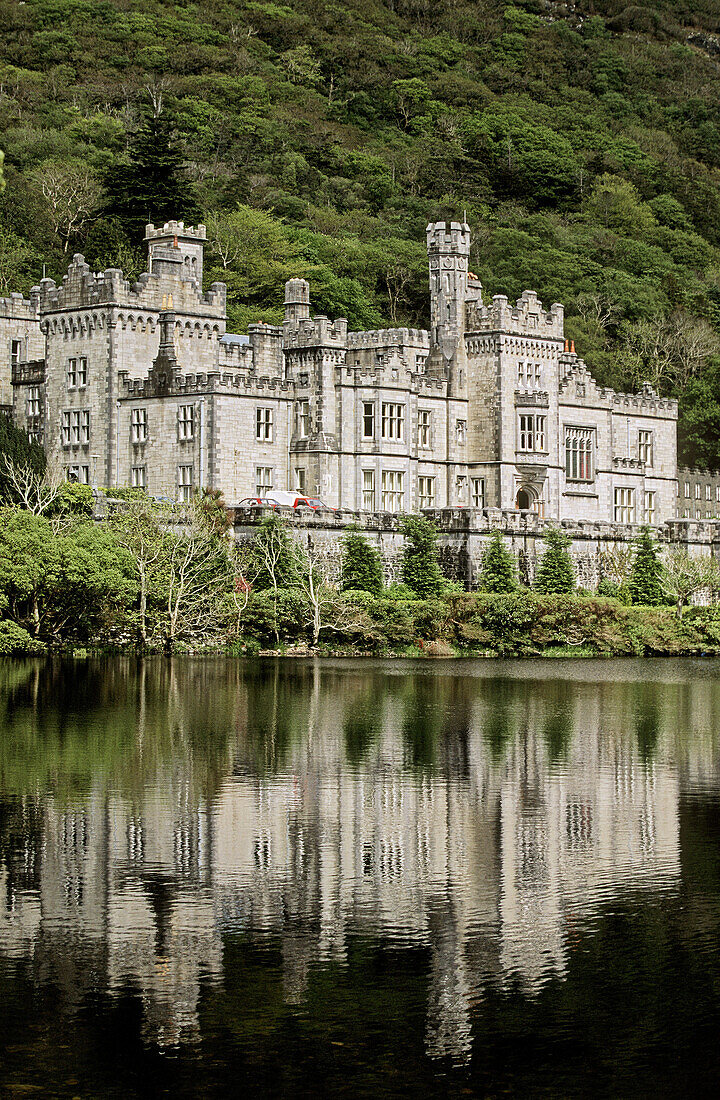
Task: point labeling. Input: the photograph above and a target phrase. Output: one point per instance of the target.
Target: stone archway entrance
(523, 500)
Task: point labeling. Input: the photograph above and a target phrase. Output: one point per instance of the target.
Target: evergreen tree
(151, 186)
(556, 572)
(420, 568)
(361, 565)
(497, 572)
(646, 573)
(16, 445)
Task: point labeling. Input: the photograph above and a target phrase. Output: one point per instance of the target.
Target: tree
(556, 572)
(275, 557)
(420, 568)
(361, 565)
(684, 576)
(497, 566)
(29, 565)
(646, 572)
(22, 463)
(72, 193)
(151, 185)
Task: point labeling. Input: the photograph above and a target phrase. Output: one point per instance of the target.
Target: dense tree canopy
(318, 139)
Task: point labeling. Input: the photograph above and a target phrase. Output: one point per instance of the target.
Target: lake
(359, 878)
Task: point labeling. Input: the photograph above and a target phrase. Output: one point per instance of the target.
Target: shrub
(361, 565)
(16, 642)
(497, 573)
(420, 568)
(645, 581)
(556, 572)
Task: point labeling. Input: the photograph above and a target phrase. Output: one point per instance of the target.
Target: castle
(140, 384)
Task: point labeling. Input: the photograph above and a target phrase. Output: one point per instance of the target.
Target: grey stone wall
(596, 548)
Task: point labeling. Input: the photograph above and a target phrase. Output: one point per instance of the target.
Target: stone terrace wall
(464, 534)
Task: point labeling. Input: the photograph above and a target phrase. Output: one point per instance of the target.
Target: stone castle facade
(141, 384)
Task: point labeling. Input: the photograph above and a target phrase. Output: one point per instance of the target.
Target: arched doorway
(523, 500)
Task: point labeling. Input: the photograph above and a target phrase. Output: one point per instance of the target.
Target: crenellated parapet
(387, 337)
(18, 308)
(82, 288)
(203, 382)
(578, 384)
(528, 317)
(319, 331)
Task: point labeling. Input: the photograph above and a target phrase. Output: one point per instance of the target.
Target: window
(185, 482)
(529, 375)
(424, 423)
(532, 432)
(579, 454)
(65, 429)
(75, 427)
(650, 510)
(80, 475)
(392, 490)
(697, 492)
(717, 494)
(300, 480)
(477, 489)
(426, 492)
(263, 480)
(186, 424)
(138, 478)
(368, 425)
(420, 364)
(76, 373)
(460, 431)
(708, 492)
(368, 490)
(686, 513)
(33, 402)
(624, 505)
(303, 419)
(264, 425)
(15, 352)
(138, 426)
(698, 514)
(85, 426)
(687, 489)
(393, 421)
(645, 447)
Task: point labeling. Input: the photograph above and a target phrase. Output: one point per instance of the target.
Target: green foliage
(498, 572)
(645, 583)
(150, 186)
(420, 568)
(16, 446)
(361, 565)
(16, 642)
(556, 572)
(275, 562)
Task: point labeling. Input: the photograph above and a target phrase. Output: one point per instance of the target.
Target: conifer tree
(646, 572)
(497, 573)
(556, 572)
(420, 568)
(151, 186)
(361, 565)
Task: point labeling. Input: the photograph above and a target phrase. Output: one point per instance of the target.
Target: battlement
(82, 288)
(19, 308)
(453, 237)
(319, 331)
(207, 382)
(527, 317)
(176, 229)
(387, 337)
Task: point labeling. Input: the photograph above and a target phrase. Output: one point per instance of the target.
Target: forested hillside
(318, 138)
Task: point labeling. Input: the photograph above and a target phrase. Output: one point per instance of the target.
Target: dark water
(359, 879)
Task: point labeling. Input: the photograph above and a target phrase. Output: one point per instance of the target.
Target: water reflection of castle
(491, 869)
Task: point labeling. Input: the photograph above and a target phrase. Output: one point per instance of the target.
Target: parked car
(319, 505)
